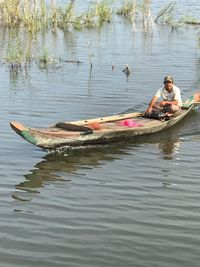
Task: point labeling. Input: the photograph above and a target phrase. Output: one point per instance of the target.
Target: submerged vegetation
(19, 53)
(36, 16)
(166, 16)
(44, 60)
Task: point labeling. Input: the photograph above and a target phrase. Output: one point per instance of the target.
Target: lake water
(123, 204)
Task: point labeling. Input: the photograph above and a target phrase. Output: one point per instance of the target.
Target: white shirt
(174, 95)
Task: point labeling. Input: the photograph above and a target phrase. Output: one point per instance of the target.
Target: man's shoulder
(161, 89)
(159, 92)
(175, 88)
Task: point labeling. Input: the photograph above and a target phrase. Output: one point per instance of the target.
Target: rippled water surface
(125, 204)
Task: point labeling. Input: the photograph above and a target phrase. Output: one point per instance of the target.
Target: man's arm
(167, 102)
(151, 104)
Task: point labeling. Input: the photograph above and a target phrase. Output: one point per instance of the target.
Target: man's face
(168, 85)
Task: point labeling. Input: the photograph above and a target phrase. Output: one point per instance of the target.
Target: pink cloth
(129, 123)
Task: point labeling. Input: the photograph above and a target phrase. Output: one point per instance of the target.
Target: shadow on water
(52, 166)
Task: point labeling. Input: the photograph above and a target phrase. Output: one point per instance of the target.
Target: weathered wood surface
(108, 119)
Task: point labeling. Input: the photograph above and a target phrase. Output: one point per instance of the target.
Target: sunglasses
(168, 82)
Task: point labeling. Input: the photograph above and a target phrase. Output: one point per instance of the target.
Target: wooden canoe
(100, 130)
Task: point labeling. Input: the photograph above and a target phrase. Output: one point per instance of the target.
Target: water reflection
(52, 166)
(170, 147)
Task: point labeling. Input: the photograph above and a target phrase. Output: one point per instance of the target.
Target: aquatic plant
(147, 19)
(165, 14)
(30, 14)
(10, 12)
(128, 9)
(53, 15)
(44, 60)
(190, 20)
(103, 11)
(131, 8)
(65, 15)
(95, 16)
(86, 20)
(19, 53)
(14, 58)
(38, 14)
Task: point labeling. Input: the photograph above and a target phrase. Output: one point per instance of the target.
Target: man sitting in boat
(171, 98)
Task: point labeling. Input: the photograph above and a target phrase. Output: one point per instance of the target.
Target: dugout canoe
(100, 130)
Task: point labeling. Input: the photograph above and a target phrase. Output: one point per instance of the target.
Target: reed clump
(103, 12)
(36, 15)
(94, 17)
(64, 16)
(147, 19)
(191, 20)
(86, 20)
(137, 12)
(128, 9)
(166, 16)
(14, 58)
(10, 12)
(19, 52)
(45, 60)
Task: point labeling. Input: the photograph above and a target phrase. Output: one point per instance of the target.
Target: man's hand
(148, 110)
(163, 103)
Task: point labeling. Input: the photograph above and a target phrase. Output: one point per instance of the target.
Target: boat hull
(110, 129)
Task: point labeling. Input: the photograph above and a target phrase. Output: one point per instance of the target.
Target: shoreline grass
(36, 16)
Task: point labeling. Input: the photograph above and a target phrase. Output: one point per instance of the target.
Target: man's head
(168, 82)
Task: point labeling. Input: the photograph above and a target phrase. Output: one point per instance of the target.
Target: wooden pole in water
(89, 50)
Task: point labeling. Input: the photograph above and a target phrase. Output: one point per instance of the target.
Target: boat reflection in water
(52, 167)
(64, 166)
(73, 162)
(170, 147)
